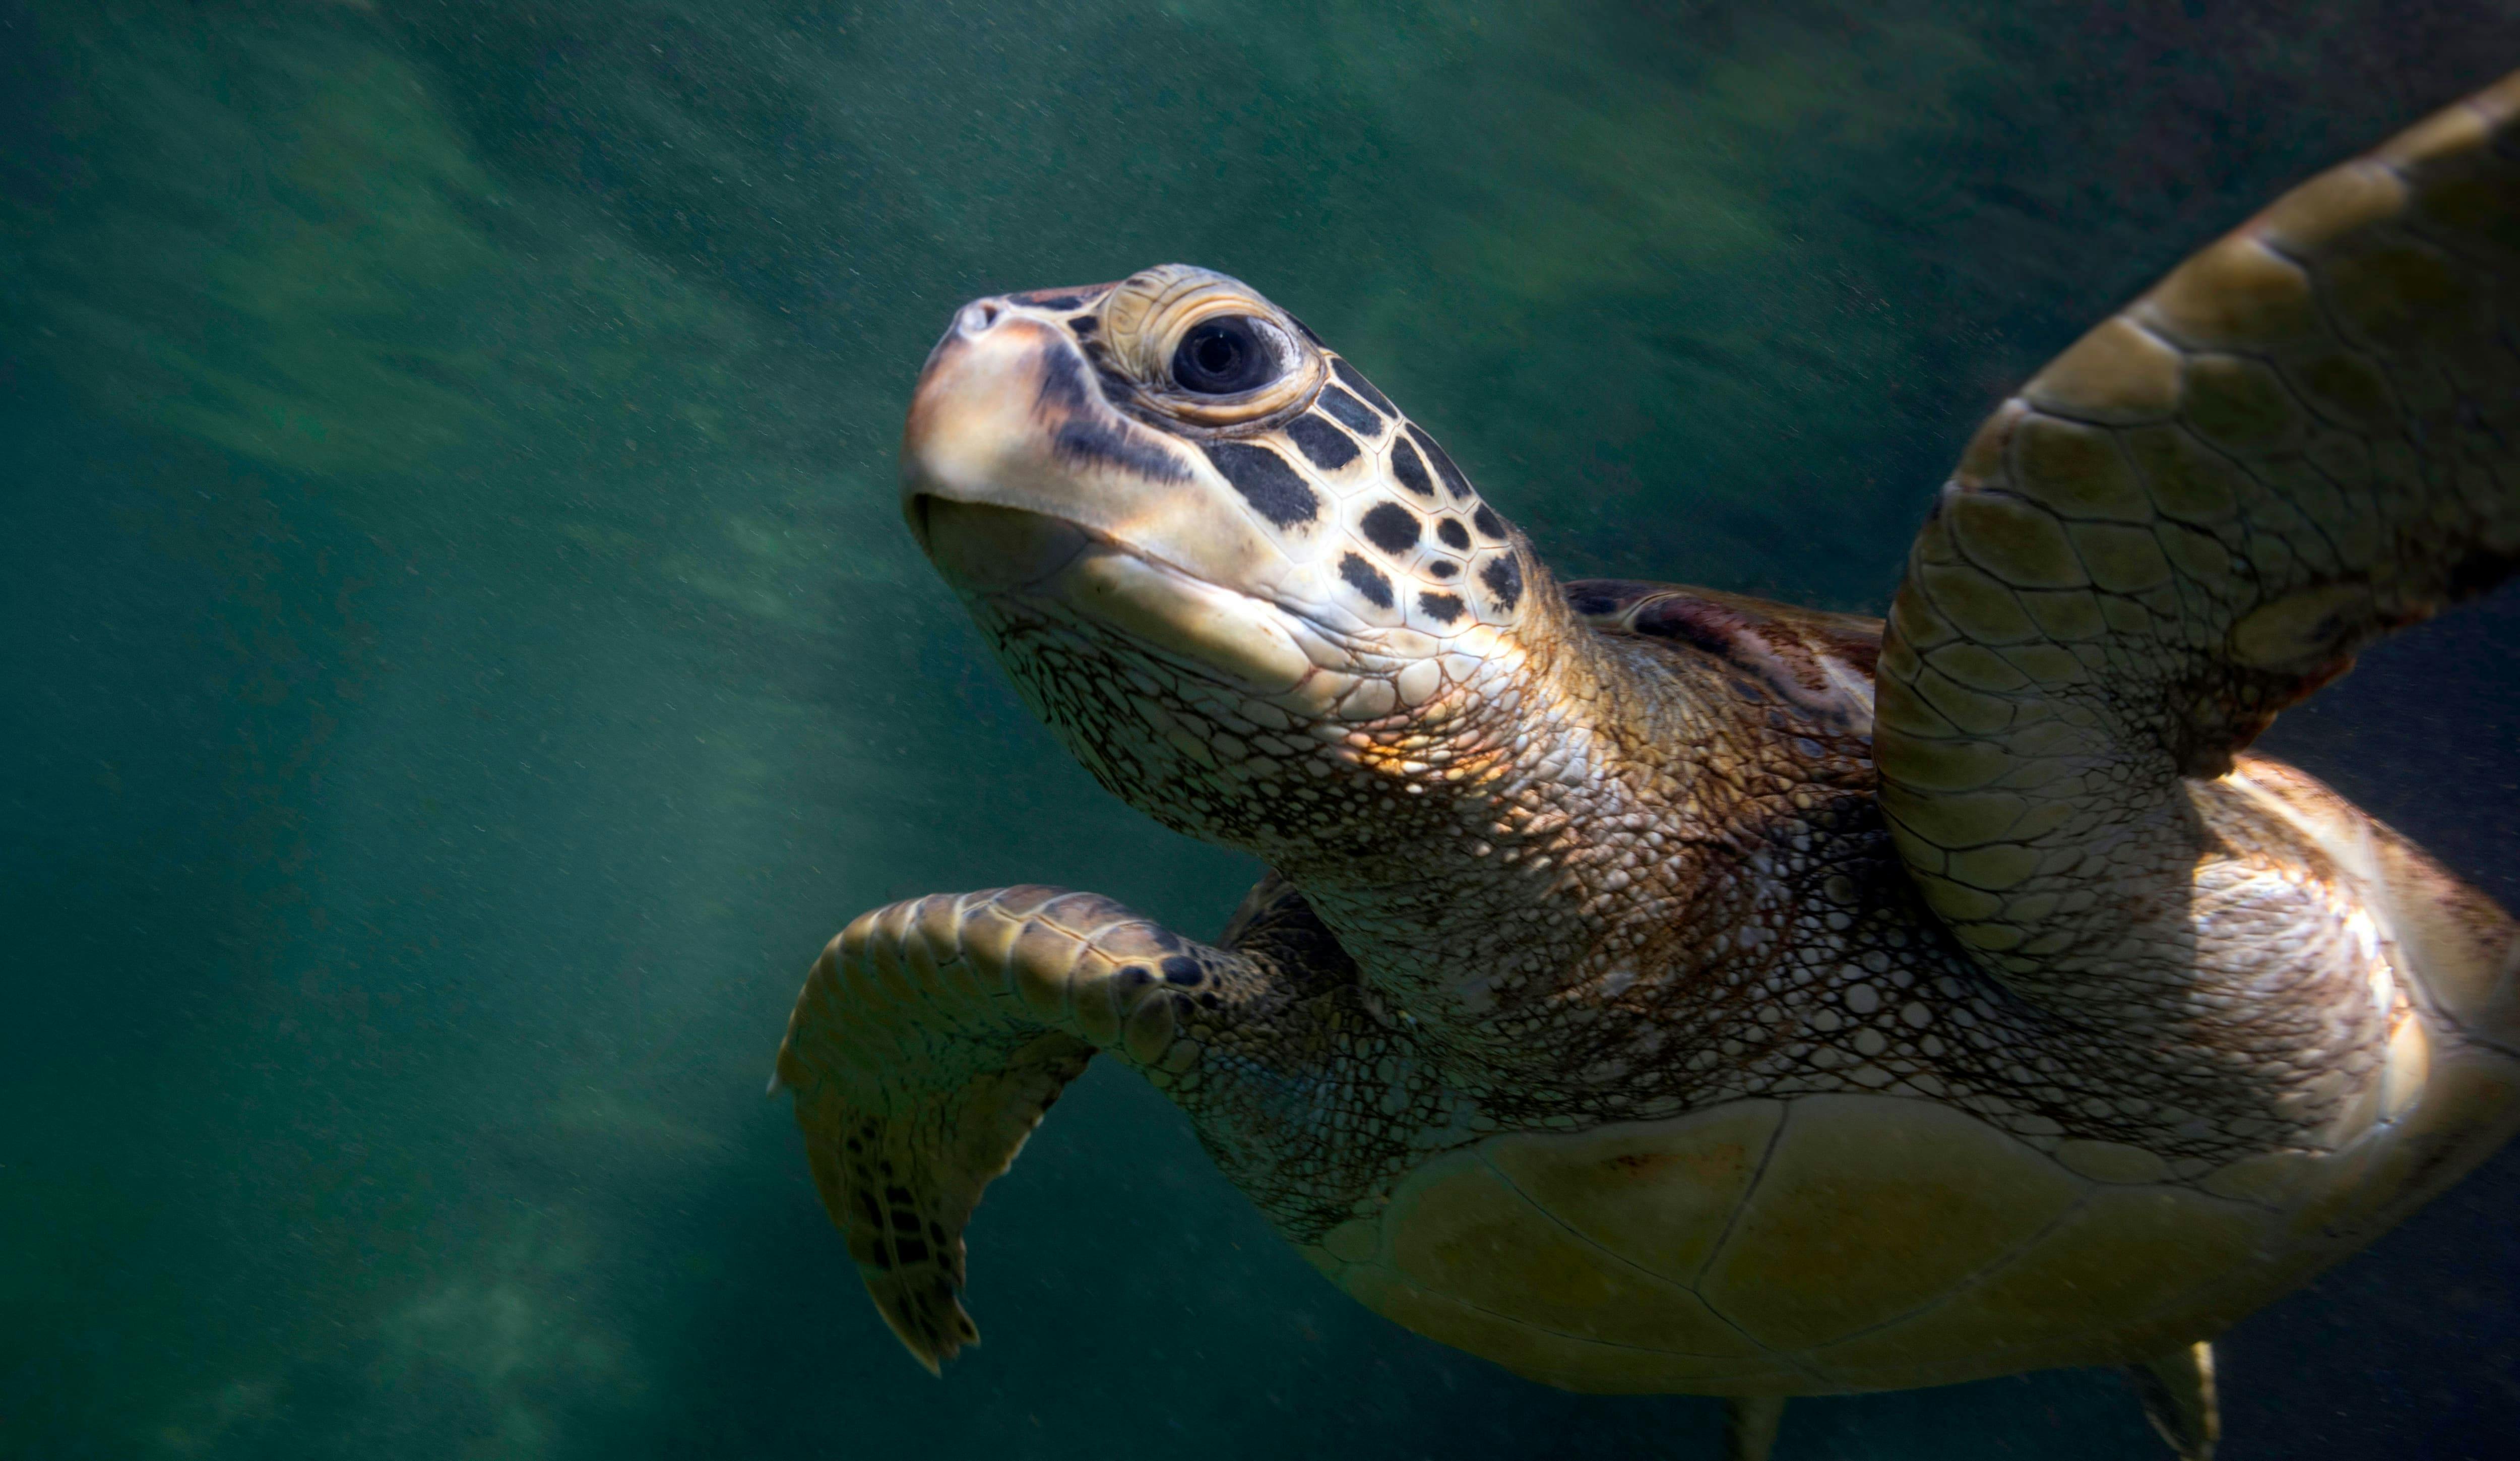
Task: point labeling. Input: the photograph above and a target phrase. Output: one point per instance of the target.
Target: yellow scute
(1870, 1208)
(2132, 1269)
(1464, 1234)
(1657, 1194)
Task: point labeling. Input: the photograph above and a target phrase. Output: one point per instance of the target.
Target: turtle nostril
(978, 316)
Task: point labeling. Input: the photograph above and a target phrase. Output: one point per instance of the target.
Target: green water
(462, 658)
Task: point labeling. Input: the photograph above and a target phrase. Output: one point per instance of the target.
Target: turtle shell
(1847, 1242)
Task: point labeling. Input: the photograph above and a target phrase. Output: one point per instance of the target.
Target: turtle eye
(1226, 356)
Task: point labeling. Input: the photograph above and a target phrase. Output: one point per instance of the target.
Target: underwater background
(462, 657)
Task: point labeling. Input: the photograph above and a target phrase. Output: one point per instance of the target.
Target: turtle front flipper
(931, 1036)
(2304, 438)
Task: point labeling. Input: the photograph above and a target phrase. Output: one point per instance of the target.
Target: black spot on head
(1329, 447)
(1115, 446)
(1132, 976)
(1442, 569)
(1410, 473)
(905, 1221)
(1181, 969)
(1051, 301)
(1391, 528)
(1454, 481)
(1365, 579)
(1361, 386)
(1504, 578)
(1488, 523)
(1441, 608)
(1265, 482)
(1116, 384)
(910, 1251)
(1084, 324)
(1454, 535)
(1352, 413)
(1089, 432)
(1062, 381)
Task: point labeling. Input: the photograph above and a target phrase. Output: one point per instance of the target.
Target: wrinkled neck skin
(1471, 853)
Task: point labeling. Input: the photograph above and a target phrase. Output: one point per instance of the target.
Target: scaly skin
(1606, 881)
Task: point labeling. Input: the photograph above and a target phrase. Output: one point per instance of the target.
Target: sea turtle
(1661, 990)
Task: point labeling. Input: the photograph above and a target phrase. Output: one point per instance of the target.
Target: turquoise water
(464, 657)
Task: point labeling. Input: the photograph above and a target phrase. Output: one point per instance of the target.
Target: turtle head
(1173, 475)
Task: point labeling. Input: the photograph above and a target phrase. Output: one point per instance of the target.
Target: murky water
(462, 658)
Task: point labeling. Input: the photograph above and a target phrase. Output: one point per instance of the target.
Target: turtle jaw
(1018, 559)
(981, 548)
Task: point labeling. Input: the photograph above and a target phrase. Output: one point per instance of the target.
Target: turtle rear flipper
(930, 1038)
(1750, 1426)
(2178, 1394)
(2304, 438)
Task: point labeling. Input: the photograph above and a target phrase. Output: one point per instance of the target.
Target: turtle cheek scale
(1395, 565)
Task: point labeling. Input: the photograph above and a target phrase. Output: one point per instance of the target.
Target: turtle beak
(971, 424)
(979, 484)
